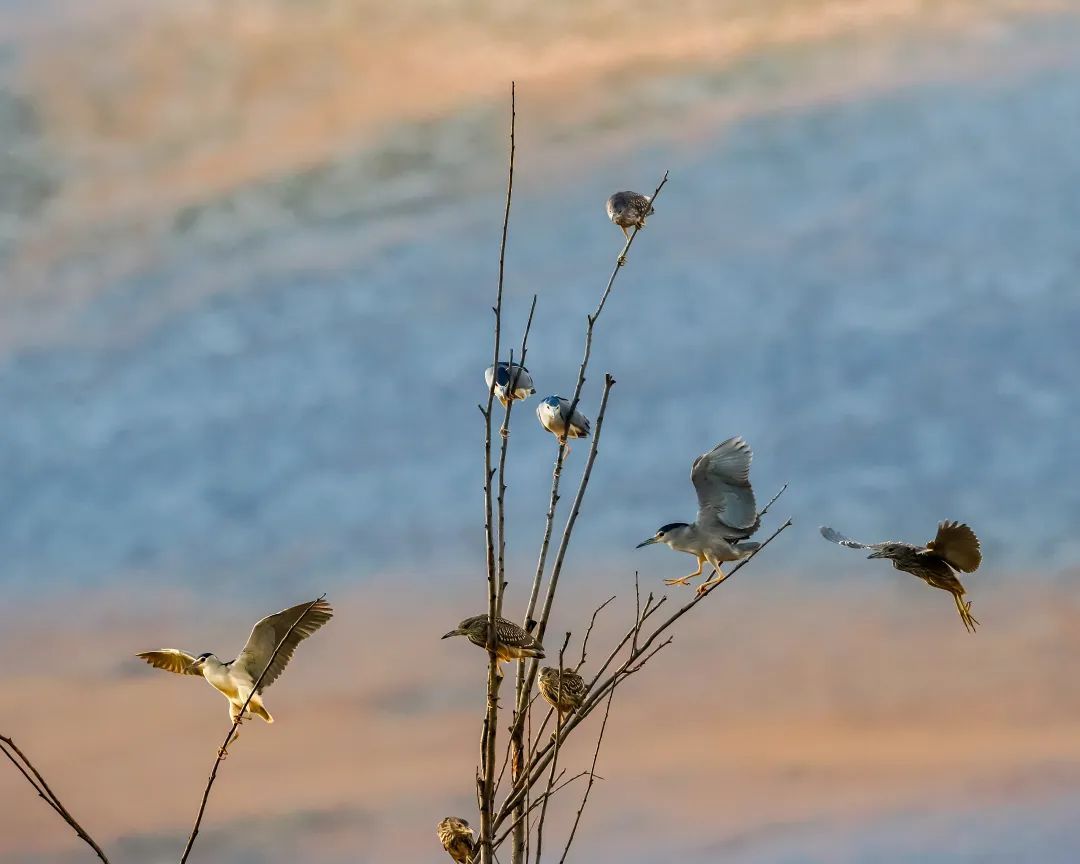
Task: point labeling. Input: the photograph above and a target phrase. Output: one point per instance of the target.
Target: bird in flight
(954, 548)
(727, 513)
(236, 679)
(457, 839)
(511, 382)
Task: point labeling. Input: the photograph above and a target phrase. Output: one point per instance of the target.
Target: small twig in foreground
(24, 765)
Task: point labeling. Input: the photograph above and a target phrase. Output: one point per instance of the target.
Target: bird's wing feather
(266, 635)
(958, 545)
(837, 537)
(722, 480)
(171, 660)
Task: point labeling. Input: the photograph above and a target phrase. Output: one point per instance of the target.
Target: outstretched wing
(958, 545)
(266, 635)
(722, 480)
(171, 660)
(837, 537)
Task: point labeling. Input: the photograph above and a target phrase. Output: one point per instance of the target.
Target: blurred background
(247, 254)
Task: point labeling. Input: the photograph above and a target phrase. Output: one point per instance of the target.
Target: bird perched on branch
(511, 382)
(554, 414)
(727, 512)
(457, 838)
(511, 641)
(564, 692)
(954, 547)
(629, 209)
(236, 678)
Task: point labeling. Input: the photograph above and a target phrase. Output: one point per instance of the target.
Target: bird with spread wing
(954, 548)
(236, 679)
(727, 513)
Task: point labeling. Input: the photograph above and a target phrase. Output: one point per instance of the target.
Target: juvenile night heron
(236, 678)
(554, 414)
(564, 692)
(727, 512)
(955, 547)
(511, 642)
(628, 210)
(509, 376)
(457, 839)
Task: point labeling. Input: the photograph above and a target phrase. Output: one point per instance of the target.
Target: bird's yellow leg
(716, 580)
(964, 608)
(685, 580)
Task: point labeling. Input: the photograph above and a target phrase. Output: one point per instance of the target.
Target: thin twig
(491, 710)
(554, 760)
(504, 431)
(588, 632)
(232, 730)
(592, 778)
(23, 764)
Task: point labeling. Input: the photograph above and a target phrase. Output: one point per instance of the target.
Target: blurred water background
(248, 249)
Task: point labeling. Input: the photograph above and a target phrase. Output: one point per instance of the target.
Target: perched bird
(564, 692)
(457, 838)
(629, 209)
(236, 678)
(955, 547)
(727, 512)
(511, 641)
(511, 382)
(553, 412)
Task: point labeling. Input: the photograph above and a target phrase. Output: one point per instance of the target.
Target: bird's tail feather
(745, 549)
(259, 711)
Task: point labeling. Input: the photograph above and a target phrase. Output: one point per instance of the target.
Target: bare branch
(232, 730)
(26, 768)
(494, 679)
(554, 760)
(588, 632)
(633, 662)
(504, 431)
(592, 777)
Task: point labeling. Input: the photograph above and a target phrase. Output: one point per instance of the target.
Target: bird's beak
(875, 555)
(648, 542)
(451, 633)
(192, 666)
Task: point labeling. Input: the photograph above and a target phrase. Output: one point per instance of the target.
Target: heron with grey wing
(727, 513)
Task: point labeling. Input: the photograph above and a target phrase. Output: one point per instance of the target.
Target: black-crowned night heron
(628, 210)
(564, 692)
(554, 415)
(457, 839)
(727, 512)
(955, 547)
(236, 678)
(511, 382)
(511, 641)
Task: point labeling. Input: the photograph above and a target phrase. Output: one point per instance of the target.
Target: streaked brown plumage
(457, 838)
(628, 210)
(955, 547)
(511, 641)
(564, 693)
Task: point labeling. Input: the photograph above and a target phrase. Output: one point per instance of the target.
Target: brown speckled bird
(628, 210)
(457, 839)
(564, 693)
(954, 548)
(511, 641)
